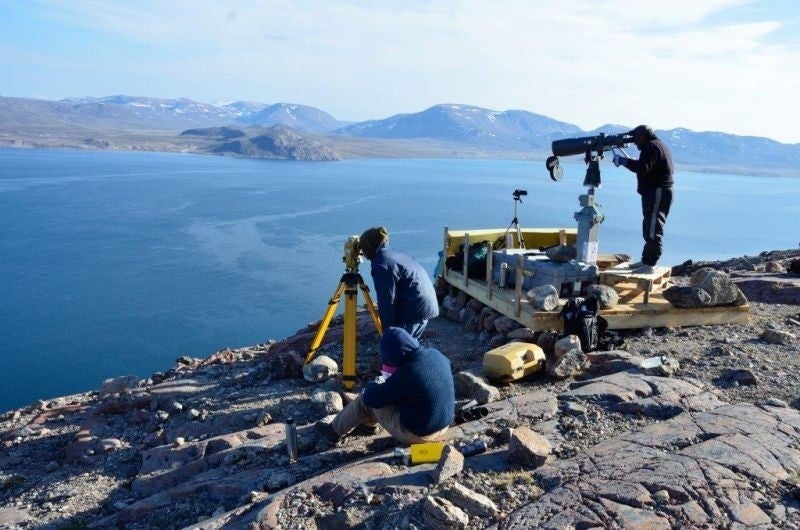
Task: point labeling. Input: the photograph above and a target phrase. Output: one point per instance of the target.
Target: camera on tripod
(519, 193)
(352, 254)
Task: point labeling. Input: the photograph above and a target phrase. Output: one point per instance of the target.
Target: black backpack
(581, 319)
(476, 259)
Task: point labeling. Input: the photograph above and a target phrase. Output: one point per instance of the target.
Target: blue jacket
(403, 288)
(421, 387)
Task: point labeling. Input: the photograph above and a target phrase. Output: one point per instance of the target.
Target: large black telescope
(599, 143)
(592, 147)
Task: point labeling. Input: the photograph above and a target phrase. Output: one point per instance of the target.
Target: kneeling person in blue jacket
(405, 293)
(415, 404)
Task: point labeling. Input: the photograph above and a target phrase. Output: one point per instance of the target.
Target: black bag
(581, 319)
(476, 259)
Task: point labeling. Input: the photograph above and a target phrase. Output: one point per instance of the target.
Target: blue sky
(726, 65)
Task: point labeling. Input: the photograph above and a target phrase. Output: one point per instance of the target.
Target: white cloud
(589, 63)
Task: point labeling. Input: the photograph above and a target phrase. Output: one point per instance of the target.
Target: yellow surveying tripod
(349, 284)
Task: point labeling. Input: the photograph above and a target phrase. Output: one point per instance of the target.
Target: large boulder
(606, 295)
(687, 296)
(717, 284)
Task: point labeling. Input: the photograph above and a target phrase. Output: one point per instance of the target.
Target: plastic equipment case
(539, 270)
(513, 361)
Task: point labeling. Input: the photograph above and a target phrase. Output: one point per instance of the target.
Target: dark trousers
(655, 209)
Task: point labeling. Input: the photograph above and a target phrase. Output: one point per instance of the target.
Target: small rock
(562, 253)
(686, 296)
(441, 514)
(775, 267)
(327, 402)
(527, 447)
(109, 445)
(775, 402)
(119, 505)
(775, 336)
(576, 409)
(117, 385)
(568, 343)
(547, 340)
(606, 295)
(544, 297)
(179, 441)
(570, 364)
(450, 464)
(523, 335)
(471, 386)
(320, 369)
(505, 324)
(285, 364)
(194, 413)
(184, 360)
(741, 377)
(263, 419)
(471, 501)
(661, 496)
(162, 415)
(177, 407)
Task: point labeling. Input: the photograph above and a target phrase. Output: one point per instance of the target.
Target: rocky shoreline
(712, 440)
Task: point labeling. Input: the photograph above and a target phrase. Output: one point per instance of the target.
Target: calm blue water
(117, 263)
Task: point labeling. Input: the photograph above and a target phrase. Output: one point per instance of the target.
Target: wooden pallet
(630, 284)
(633, 314)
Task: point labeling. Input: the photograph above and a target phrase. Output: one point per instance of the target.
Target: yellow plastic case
(426, 452)
(513, 361)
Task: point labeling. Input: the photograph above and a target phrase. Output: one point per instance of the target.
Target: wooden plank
(489, 264)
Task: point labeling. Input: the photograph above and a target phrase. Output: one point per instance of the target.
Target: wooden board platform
(633, 314)
(630, 284)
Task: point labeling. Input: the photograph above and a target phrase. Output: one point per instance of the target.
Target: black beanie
(372, 239)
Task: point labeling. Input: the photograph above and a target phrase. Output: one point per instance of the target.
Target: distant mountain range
(446, 130)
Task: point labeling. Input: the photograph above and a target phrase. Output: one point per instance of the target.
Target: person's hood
(372, 240)
(396, 346)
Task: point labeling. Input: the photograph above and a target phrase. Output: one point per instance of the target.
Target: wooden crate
(630, 285)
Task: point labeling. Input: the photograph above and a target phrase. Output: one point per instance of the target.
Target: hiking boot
(644, 269)
(367, 430)
(324, 430)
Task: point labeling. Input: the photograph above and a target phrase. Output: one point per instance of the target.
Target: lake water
(118, 263)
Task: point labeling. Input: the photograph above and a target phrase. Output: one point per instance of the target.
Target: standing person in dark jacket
(406, 296)
(415, 404)
(654, 183)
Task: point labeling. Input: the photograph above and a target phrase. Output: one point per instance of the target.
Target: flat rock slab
(12, 518)
(721, 468)
(768, 288)
(524, 409)
(170, 465)
(182, 387)
(635, 393)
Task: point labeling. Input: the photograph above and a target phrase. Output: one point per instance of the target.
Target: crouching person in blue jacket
(415, 404)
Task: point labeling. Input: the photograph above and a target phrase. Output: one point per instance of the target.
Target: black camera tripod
(515, 222)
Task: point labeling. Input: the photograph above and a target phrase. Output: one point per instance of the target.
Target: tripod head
(518, 194)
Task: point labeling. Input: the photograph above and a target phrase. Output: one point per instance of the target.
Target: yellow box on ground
(513, 361)
(426, 452)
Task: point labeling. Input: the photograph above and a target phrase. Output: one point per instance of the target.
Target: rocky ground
(709, 439)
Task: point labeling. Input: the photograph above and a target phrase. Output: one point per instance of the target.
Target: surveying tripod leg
(371, 307)
(326, 320)
(350, 321)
